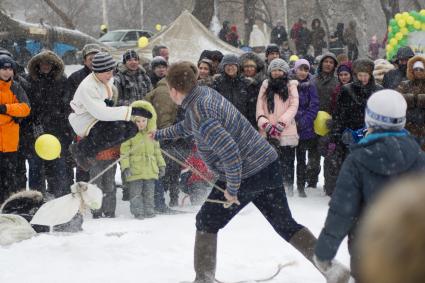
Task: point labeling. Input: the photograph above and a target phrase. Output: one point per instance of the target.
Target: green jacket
(164, 106)
(145, 156)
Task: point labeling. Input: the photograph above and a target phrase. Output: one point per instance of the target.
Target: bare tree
(390, 8)
(204, 11)
(417, 5)
(66, 20)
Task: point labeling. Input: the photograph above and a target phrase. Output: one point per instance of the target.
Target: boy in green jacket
(143, 165)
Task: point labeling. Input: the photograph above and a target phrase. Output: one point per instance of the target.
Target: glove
(109, 102)
(267, 127)
(280, 127)
(3, 109)
(161, 172)
(274, 132)
(333, 270)
(331, 148)
(126, 173)
(141, 112)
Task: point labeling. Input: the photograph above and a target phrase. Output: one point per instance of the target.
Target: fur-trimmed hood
(254, 57)
(151, 126)
(51, 57)
(412, 61)
(324, 56)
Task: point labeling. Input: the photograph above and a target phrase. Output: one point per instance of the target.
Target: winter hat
(418, 64)
(5, 52)
(405, 52)
(158, 61)
(6, 62)
(278, 64)
(229, 59)
(90, 49)
(301, 62)
(249, 62)
(363, 65)
(345, 67)
(129, 54)
(206, 61)
(272, 48)
(386, 109)
(103, 62)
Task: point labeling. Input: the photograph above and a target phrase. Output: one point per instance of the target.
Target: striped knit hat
(103, 62)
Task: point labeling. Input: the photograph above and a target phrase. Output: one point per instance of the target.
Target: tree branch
(66, 20)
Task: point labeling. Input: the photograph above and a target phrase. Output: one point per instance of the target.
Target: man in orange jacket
(14, 105)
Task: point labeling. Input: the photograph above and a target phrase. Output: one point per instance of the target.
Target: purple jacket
(307, 109)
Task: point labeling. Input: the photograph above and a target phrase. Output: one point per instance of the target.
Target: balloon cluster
(400, 27)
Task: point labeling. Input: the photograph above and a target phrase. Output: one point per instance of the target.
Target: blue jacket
(226, 141)
(373, 163)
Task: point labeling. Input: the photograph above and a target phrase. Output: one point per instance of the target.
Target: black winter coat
(393, 78)
(278, 35)
(76, 78)
(365, 172)
(351, 106)
(235, 90)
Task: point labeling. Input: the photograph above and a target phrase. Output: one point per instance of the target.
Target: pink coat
(284, 112)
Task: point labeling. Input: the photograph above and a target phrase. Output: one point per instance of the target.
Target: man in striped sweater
(245, 162)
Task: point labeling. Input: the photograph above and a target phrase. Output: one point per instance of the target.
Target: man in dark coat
(387, 152)
(49, 111)
(231, 84)
(393, 78)
(74, 80)
(325, 81)
(278, 34)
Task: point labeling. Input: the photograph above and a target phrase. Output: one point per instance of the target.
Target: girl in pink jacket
(277, 105)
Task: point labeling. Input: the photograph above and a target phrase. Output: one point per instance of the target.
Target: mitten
(109, 102)
(267, 127)
(280, 127)
(126, 173)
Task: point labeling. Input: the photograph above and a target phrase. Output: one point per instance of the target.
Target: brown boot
(205, 257)
(304, 241)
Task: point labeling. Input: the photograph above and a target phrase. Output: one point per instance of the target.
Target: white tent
(186, 38)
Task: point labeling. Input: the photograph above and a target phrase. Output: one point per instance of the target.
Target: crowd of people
(241, 121)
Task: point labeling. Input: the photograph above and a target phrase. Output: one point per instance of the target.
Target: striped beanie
(103, 62)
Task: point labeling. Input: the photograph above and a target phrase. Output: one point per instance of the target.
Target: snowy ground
(160, 249)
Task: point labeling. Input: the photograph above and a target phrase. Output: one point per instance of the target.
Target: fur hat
(158, 61)
(364, 66)
(410, 65)
(278, 64)
(386, 109)
(103, 62)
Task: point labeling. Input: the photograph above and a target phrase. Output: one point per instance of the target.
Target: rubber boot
(301, 192)
(205, 257)
(304, 241)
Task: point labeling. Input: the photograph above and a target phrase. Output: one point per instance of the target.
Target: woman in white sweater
(94, 118)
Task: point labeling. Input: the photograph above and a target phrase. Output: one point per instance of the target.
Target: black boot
(301, 192)
(82, 160)
(205, 257)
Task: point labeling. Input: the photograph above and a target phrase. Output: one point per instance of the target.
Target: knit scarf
(277, 86)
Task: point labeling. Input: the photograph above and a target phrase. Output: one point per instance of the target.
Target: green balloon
(396, 29)
(410, 28)
(393, 22)
(403, 42)
(415, 15)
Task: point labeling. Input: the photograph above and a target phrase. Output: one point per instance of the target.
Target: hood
(58, 65)
(122, 68)
(412, 61)
(254, 57)
(147, 106)
(324, 56)
(387, 156)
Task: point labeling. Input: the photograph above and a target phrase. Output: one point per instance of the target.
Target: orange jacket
(17, 106)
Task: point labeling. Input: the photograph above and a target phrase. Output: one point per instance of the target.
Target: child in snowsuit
(143, 163)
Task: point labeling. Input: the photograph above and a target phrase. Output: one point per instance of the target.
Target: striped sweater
(227, 142)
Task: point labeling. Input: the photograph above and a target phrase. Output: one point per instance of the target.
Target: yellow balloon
(399, 36)
(158, 27)
(398, 16)
(404, 31)
(401, 23)
(389, 48)
(422, 12)
(48, 147)
(423, 27)
(143, 42)
(410, 20)
(417, 25)
(390, 29)
(405, 15)
(320, 126)
(393, 42)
